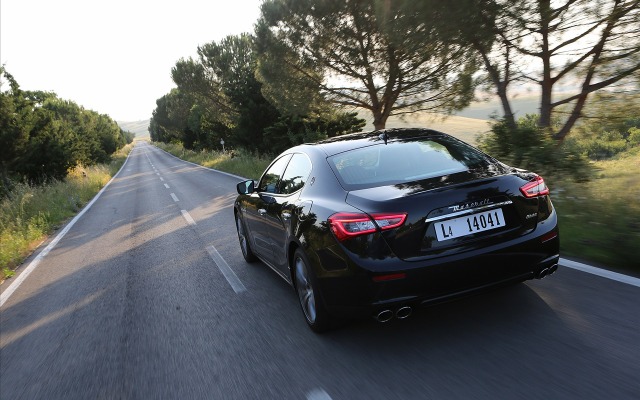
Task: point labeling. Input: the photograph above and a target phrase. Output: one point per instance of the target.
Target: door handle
(262, 211)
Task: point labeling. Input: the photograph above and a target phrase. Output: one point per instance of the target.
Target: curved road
(147, 296)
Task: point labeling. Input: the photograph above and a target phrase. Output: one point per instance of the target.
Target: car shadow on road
(504, 344)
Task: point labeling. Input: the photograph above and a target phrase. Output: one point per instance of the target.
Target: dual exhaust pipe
(405, 311)
(387, 315)
(547, 271)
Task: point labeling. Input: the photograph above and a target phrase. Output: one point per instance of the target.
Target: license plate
(469, 224)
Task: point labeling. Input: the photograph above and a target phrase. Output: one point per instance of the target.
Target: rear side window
(272, 176)
(295, 175)
(404, 161)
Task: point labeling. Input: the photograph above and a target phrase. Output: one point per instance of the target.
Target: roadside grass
(600, 219)
(31, 213)
(241, 163)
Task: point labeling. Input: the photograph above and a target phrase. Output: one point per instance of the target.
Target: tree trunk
(546, 85)
(545, 107)
(379, 122)
(575, 114)
(381, 113)
(509, 118)
(500, 84)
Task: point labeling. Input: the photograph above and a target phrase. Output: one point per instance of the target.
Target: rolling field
(466, 129)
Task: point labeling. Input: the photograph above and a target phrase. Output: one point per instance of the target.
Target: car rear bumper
(434, 281)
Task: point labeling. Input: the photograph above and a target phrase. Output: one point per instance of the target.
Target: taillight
(349, 225)
(549, 236)
(535, 188)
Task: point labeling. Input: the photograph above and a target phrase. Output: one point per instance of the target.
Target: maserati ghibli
(380, 223)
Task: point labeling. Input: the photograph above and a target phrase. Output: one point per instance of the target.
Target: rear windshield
(403, 161)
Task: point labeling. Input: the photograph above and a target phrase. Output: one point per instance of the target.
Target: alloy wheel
(305, 290)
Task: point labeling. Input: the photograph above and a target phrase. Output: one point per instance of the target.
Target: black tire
(245, 247)
(309, 297)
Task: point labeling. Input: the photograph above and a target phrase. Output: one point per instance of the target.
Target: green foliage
(610, 112)
(160, 125)
(219, 98)
(532, 148)
(381, 56)
(233, 62)
(193, 78)
(599, 148)
(611, 128)
(42, 137)
(634, 137)
(295, 130)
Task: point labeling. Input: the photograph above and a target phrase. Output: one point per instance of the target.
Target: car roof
(351, 141)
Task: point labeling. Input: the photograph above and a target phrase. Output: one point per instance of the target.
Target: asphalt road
(131, 304)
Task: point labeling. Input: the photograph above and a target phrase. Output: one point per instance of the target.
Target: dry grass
(30, 213)
(239, 163)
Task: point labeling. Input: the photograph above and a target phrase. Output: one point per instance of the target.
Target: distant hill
(139, 128)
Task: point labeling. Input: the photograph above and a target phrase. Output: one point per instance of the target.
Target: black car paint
(344, 270)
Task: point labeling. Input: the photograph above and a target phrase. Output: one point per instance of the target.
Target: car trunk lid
(452, 213)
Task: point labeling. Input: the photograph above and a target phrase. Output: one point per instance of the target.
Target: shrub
(634, 137)
(598, 149)
(532, 148)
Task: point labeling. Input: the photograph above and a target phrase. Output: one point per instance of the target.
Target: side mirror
(246, 187)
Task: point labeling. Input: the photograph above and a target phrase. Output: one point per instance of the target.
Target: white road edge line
(167, 186)
(4, 296)
(174, 197)
(614, 276)
(187, 216)
(226, 270)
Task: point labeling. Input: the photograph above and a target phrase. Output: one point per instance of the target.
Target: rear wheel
(311, 303)
(247, 253)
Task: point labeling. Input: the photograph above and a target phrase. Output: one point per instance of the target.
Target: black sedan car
(382, 222)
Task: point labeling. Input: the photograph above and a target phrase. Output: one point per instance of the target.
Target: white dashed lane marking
(187, 217)
(226, 270)
(318, 394)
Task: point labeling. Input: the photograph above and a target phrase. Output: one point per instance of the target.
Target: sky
(112, 56)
